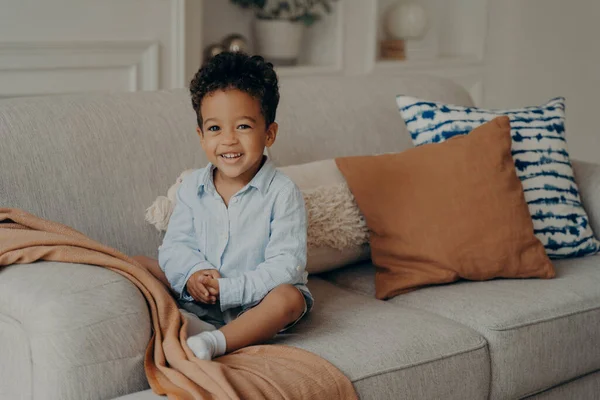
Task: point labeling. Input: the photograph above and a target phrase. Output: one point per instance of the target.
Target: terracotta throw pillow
(445, 211)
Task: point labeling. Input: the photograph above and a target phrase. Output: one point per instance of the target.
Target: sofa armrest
(587, 176)
(70, 331)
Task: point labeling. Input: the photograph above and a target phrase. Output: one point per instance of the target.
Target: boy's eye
(244, 126)
(213, 128)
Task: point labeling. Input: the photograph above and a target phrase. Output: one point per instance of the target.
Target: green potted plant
(279, 25)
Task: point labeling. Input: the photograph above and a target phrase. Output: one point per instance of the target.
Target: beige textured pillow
(337, 232)
(334, 219)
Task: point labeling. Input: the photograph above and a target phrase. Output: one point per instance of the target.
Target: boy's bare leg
(282, 306)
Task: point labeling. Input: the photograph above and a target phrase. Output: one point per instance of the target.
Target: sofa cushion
(95, 162)
(334, 218)
(540, 156)
(391, 352)
(333, 116)
(586, 387)
(445, 211)
(319, 180)
(388, 352)
(540, 333)
(61, 155)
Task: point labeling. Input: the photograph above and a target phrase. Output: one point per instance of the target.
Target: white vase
(278, 41)
(406, 20)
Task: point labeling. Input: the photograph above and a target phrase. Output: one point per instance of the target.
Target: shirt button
(298, 268)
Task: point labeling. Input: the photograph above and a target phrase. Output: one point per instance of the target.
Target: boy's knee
(290, 299)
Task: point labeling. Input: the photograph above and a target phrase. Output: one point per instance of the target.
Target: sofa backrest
(327, 117)
(97, 161)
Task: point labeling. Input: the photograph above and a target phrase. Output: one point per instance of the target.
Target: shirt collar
(205, 180)
(261, 181)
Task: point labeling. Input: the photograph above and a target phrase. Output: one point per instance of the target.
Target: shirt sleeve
(285, 255)
(179, 256)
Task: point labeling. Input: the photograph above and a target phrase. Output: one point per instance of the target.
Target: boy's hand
(201, 292)
(212, 284)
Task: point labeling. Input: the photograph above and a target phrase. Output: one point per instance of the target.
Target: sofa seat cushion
(540, 332)
(389, 352)
(586, 387)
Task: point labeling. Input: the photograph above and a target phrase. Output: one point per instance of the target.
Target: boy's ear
(271, 134)
(200, 133)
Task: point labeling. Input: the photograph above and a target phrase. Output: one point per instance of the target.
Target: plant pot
(278, 41)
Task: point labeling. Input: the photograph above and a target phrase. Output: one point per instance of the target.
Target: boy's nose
(229, 136)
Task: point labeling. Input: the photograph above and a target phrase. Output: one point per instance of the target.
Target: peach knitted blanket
(257, 372)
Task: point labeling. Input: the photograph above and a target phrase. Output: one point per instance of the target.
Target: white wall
(56, 46)
(539, 49)
(535, 50)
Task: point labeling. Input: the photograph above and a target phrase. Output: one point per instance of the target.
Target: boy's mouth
(231, 156)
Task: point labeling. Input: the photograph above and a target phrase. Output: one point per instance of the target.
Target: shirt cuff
(185, 296)
(230, 293)
(198, 267)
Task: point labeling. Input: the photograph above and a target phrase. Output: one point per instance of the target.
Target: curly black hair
(236, 70)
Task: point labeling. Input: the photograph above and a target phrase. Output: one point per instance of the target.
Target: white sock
(208, 345)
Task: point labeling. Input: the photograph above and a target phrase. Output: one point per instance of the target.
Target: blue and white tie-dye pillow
(541, 158)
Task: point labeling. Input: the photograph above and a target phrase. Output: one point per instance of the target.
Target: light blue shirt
(256, 244)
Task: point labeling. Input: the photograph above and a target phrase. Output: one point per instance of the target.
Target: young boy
(235, 247)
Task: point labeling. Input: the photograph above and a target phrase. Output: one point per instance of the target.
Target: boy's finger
(213, 273)
(209, 281)
(203, 290)
(192, 291)
(212, 290)
(210, 284)
(197, 291)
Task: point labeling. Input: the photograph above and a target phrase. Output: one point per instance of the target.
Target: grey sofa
(96, 161)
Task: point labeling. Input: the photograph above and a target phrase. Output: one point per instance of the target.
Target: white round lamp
(406, 20)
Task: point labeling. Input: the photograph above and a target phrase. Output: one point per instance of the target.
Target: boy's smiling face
(234, 134)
